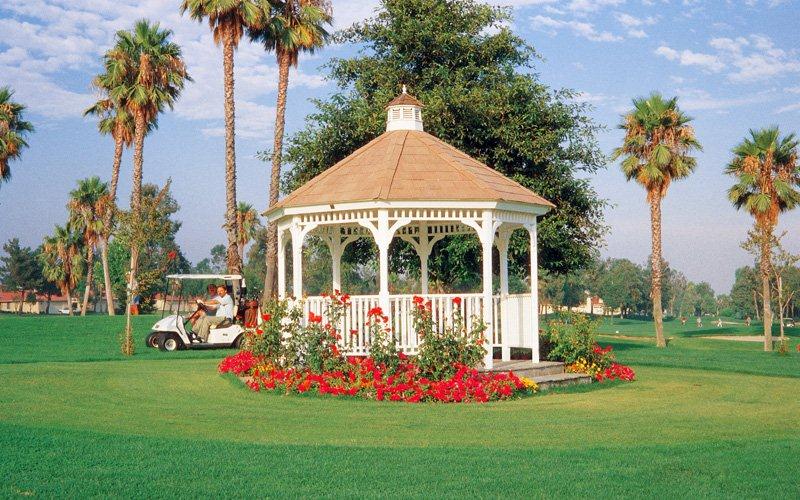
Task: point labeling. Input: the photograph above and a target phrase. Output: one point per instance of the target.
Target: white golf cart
(170, 333)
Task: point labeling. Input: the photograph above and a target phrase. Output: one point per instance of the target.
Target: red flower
(172, 254)
(265, 317)
(313, 318)
(354, 332)
(457, 301)
(375, 311)
(259, 331)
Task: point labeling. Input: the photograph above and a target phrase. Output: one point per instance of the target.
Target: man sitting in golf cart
(203, 310)
(223, 303)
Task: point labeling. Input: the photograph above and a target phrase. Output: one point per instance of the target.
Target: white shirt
(225, 307)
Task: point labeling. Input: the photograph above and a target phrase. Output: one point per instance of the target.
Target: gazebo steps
(549, 381)
(524, 367)
(546, 374)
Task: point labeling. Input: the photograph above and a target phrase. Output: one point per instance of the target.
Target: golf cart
(171, 332)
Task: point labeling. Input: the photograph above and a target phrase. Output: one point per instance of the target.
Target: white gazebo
(408, 184)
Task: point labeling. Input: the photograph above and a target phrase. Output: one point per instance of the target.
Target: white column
(383, 238)
(487, 238)
(503, 238)
(534, 292)
(298, 235)
(281, 264)
(336, 266)
(423, 272)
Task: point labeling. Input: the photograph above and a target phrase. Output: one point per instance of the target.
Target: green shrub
(441, 353)
(571, 337)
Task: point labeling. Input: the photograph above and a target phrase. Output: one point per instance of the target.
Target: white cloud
(46, 42)
(702, 100)
(579, 28)
(689, 58)
(748, 59)
(789, 108)
(634, 25)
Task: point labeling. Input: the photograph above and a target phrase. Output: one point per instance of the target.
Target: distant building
(9, 303)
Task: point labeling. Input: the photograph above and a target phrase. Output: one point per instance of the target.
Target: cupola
(404, 113)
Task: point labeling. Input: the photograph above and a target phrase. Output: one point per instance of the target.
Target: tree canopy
(477, 81)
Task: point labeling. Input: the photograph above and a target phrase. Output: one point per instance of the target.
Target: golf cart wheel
(169, 342)
(237, 344)
(152, 340)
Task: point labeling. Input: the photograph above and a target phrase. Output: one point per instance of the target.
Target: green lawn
(705, 417)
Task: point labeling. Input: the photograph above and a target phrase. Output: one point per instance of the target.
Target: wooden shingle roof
(408, 165)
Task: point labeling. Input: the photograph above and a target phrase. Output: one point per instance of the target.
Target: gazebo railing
(355, 334)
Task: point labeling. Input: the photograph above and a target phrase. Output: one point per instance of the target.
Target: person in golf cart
(203, 310)
(223, 303)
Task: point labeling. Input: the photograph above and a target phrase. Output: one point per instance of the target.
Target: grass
(705, 417)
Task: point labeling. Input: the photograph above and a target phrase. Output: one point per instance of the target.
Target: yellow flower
(529, 384)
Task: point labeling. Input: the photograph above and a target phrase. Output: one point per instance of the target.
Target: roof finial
(404, 89)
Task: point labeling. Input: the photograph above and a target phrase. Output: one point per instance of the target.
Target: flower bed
(361, 377)
(287, 356)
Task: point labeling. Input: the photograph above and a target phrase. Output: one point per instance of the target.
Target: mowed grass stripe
(58, 462)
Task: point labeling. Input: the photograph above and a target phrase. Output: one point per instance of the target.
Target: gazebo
(410, 185)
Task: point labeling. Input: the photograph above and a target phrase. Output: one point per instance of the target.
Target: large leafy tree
(290, 27)
(477, 81)
(62, 260)
(656, 150)
(228, 20)
(114, 119)
(88, 206)
(20, 270)
(767, 181)
(153, 65)
(13, 131)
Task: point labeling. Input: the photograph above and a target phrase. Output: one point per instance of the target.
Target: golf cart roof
(227, 277)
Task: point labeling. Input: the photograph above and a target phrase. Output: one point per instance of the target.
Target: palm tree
(62, 262)
(766, 170)
(88, 206)
(291, 27)
(116, 121)
(248, 224)
(228, 20)
(13, 130)
(153, 65)
(656, 150)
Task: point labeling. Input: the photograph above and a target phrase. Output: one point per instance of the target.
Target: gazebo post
(503, 238)
(532, 231)
(423, 250)
(383, 238)
(281, 264)
(298, 235)
(487, 239)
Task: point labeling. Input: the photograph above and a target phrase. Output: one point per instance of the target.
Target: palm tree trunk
(779, 283)
(136, 207)
(766, 238)
(655, 264)
(270, 283)
(89, 277)
(69, 302)
(765, 290)
(112, 193)
(231, 226)
(107, 277)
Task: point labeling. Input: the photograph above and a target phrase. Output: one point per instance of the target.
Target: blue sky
(733, 64)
